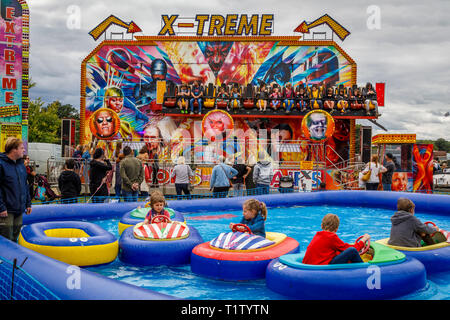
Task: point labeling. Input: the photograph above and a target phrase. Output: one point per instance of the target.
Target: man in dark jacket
(386, 179)
(69, 183)
(132, 174)
(407, 230)
(15, 197)
(99, 168)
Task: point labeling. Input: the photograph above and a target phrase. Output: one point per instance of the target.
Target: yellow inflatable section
(79, 255)
(430, 247)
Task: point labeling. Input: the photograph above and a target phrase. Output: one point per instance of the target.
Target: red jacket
(325, 246)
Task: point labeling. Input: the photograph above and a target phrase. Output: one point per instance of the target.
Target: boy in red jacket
(327, 248)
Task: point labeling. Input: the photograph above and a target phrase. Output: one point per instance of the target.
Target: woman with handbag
(371, 173)
(182, 172)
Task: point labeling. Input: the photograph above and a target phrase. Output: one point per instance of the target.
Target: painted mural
(14, 69)
(423, 168)
(122, 78)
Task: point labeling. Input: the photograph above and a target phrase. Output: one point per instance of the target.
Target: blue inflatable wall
(53, 274)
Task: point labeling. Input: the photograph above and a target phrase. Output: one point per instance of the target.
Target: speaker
(67, 134)
(365, 143)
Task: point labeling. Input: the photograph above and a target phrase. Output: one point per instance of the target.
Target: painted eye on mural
(101, 120)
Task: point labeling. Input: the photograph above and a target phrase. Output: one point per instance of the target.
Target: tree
(65, 111)
(442, 145)
(44, 123)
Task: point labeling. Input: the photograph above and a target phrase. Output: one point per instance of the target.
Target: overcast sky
(409, 49)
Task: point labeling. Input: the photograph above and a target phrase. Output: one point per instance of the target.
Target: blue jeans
(263, 188)
(350, 254)
(289, 103)
(118, 190)
(130, 196)
(302, 104)
(200, 104)
(387, 187)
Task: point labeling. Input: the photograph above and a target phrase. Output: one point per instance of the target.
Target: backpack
(39, 193)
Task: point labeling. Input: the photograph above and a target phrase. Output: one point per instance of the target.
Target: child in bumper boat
(157, 204)
(254, 216)
(327, 248)
(407, 230)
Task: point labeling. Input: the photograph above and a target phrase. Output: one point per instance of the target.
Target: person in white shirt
(182, 173)
(376, 168)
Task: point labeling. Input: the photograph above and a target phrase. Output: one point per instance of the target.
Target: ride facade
(229, 93)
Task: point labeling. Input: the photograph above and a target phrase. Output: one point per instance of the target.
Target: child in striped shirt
(157, 203)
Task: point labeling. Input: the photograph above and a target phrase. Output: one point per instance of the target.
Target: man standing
(14, 194)
(263, 174)
(69, 183)
(132, 174)
(386, 179)
(220, 178)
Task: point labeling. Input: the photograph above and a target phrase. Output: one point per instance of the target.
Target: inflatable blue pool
(94, 286)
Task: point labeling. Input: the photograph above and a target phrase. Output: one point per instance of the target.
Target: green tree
(442, 145)
(66, 111)
(44, 123)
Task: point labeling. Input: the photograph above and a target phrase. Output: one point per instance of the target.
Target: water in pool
(300, 223)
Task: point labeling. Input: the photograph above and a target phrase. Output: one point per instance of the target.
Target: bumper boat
(162, 242)
(238, 255)
(137, 215)
(385, 273)
(435, 258)
(73, 242)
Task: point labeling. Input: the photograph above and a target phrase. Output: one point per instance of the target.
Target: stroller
(43, 190)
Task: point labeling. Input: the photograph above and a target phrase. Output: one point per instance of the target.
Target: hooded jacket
(14, 193)
(69, 184)
(263, 172)
(406, 229)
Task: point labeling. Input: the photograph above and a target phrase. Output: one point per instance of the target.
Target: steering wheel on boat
(366, 247)
(240, 227)
(433, 224)
(160, 218)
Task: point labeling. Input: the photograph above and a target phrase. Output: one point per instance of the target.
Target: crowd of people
(133, 176)
(378, 176)
(286, 98)
(325, 247)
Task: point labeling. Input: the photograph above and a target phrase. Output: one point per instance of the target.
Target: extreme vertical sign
(14, 63)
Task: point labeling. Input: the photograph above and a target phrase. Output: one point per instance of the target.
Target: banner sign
(9, 130)
(218, 25)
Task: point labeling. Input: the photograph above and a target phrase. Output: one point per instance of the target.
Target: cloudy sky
(406, 46)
